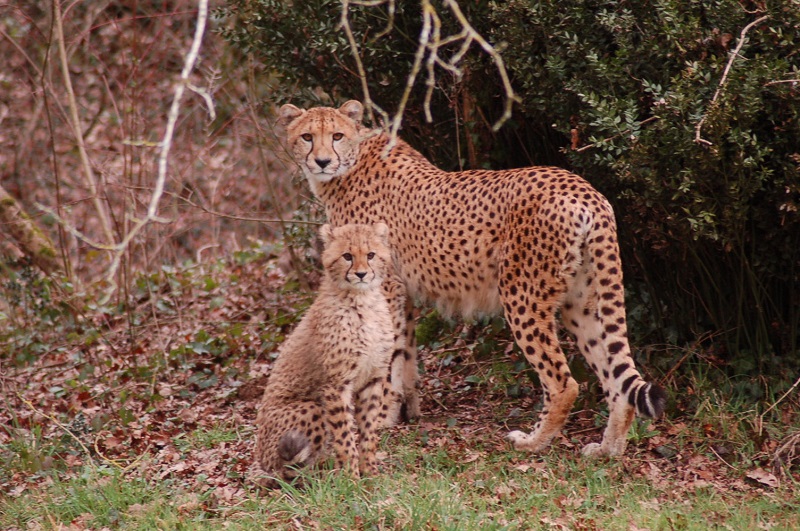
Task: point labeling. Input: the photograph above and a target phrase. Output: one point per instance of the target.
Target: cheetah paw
(525, 441)
(593, 450)
(596, 450)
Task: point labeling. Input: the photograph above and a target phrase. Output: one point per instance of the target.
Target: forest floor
(164, 395)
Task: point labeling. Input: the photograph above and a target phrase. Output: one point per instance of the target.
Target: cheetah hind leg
(594, 311)
(559, 388)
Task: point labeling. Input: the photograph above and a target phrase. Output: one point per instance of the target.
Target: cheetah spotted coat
(529, 242)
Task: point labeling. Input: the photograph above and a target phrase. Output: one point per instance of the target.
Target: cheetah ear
(289, 113)
(326, 234)
(353, 110)
(382, 231)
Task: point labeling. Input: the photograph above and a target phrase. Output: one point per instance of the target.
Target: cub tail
(294, 449)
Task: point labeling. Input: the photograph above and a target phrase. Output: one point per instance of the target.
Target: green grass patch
(421, 489)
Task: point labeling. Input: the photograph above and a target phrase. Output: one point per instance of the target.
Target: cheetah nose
(361, 274)
(322, 162)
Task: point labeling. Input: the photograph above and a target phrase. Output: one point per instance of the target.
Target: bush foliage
(697, 147)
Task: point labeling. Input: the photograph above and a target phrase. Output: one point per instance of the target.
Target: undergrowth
(143, 420)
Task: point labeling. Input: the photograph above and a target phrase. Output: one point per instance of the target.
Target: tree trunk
(27, 236)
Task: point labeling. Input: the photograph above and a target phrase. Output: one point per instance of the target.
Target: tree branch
(733, 55)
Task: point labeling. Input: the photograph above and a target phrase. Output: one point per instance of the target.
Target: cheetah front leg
(338, 406)
(410, 367)
(401, 399)
(368, 409)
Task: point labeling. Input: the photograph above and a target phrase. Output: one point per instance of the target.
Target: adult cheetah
(528, 241)
(327, 386)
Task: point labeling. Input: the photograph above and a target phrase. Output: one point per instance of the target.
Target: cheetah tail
(294, 448)
(649, 400)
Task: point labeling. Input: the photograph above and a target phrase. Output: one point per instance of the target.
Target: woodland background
(135, 337)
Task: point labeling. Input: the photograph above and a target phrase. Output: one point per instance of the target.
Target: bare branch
(432, 43)
(733, 55)
(166, 144)
(362, 75)
(511, 97)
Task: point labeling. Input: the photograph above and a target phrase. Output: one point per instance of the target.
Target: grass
(419, 489)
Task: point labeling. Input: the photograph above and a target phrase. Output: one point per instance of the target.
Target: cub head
(356, 256)
(323, 140)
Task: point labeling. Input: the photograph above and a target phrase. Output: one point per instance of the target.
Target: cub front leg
(338, 406)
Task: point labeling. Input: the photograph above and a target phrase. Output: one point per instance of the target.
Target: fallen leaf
(765, 478)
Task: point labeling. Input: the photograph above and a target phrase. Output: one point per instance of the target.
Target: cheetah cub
(327, 385)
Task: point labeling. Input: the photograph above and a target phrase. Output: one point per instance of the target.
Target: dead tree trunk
(26, 235)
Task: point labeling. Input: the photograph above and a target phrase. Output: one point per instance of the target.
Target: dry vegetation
(124, 58)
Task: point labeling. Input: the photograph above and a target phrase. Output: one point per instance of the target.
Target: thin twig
(57, 423)
(721, 459)
(511, 96)
(362, 74)
(733, 55)
(229, 216)
(294, 260)
(779, 81)
(781, 399)
(116, 462)
(428, 14)
(89, 176)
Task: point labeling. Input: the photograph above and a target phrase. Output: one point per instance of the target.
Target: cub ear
(382, 231)
(326, 234)
(353, 110)
(289, 113)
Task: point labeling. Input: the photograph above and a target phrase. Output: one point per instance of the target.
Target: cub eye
(338, 136)
(307, 137)
(370, 256)
(348, 257)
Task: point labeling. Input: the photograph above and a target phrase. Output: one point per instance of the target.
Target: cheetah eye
(370, 256)
(348, 257)
(307, 137)
(338, 136)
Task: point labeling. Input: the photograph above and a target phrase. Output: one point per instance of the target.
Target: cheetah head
(323, 141)
(356, 256)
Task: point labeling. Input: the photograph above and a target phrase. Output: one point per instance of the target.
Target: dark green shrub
(710, 232)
